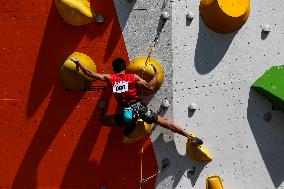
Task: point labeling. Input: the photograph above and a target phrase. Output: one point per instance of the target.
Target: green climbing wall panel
(271, 85)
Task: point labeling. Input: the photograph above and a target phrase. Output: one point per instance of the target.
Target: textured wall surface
(140, 23)
(51, 138)
(216, 71)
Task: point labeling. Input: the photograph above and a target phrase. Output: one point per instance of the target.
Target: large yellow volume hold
(71, 76)
(224, 16)
(214, 182)
(145, 71)
(198, 153)
(141, 130)
(75, 12)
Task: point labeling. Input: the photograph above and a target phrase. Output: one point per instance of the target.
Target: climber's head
(118, 65)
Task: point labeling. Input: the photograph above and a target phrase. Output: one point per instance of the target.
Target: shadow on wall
(123, 10)
(269, 135)
(56, 114)
(101, 159)
(179, 164)
(59, 40)
(165, 2)
(55, 45)
(210, 49)
(161, 25)
(97, 30)
(264, 35)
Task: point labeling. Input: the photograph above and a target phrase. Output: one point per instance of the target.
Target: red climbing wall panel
(50, 137)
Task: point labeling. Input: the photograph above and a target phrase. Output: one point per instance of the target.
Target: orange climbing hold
(224, 16)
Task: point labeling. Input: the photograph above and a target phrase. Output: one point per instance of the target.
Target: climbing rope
(142, 181)
(165, 164)
(152, 48)
(148, 178)
(141, 163)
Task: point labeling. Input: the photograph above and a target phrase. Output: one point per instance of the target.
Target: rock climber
(126, 88)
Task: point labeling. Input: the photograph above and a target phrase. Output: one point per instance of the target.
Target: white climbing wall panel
(215, 71)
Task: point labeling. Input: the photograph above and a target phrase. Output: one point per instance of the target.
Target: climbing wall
(215, 71)
(141, 22)
(143, 18)
(51, 137)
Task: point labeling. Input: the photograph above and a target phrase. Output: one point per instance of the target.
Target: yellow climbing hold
(141, 130)
(214, 182)
(72, 77)
(198, 153)
(75, 12)
(224, 16)
(139, 67)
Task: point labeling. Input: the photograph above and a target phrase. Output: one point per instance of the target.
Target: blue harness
(127, 114)
(131, 112)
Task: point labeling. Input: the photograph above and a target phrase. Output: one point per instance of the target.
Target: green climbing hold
(271, 85)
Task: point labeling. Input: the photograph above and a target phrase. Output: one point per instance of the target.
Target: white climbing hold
(192, 106)
(190, 15)
(266, 28)
(165, 103)
(165, 16)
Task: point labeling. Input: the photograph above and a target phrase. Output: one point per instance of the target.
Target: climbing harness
(133, 112)
(127, 114)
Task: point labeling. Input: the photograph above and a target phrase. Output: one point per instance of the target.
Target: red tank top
(124, 88)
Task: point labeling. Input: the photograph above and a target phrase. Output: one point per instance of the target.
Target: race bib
(120, 87)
